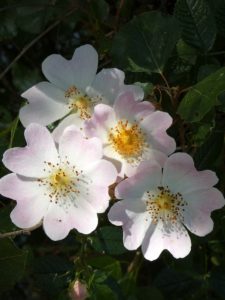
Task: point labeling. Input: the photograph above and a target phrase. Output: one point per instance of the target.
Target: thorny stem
(34, 41)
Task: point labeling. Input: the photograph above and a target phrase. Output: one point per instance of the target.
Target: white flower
(158, 206)
(131, 132)
(73, 88)
(65, 188)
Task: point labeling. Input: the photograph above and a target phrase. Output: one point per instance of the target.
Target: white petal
(99, 198)
(197, 213)
(100, 123)
(173, 238)
(102, 173)
(46, 104)
(31, 201)
(84, 64)
(56, 223)
(181, 176)
(73, 119)
(131, 214)
(78, 150)
(29, 161)
(83, 217)
(148, 176)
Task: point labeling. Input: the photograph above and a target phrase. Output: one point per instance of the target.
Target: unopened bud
(78, 291)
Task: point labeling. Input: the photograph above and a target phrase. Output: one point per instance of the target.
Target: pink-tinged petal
(197, 213)
(83, 217)
(194, 181)
(109, 83)
(157, 121)
(46, 104)
(126, 107)
(56, 223)
(149, 155)
(29, 161)
(84, 65)
(101, 173)
(73, 119)
(136, 90)
(181, 176)
(148, 176)
(77, 149)
(161, 141)
(31, 201)
(131, 214)
(171, 237)
(100, 123)
(98, 197)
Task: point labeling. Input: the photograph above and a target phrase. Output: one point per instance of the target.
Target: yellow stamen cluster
(63, 183)
(79, 102)
(165, 206)
(128, 140)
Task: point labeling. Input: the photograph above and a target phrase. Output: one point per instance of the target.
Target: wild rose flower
(73, 88)
(65, 188)
(131, 132)
(159, 206)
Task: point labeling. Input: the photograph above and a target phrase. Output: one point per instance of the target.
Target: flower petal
(56, 223)
(131, 214)
(29, 161)
(101, 121)
(110, 83)
(161, 236)
(181, 176)
(31, 202)
(99, 198)
(148, 176)
(73, 119)
(83, 217)
(200, 204)
(127, 108)
(77, 149)
(102, 173)
(84, 64)
(46, 104)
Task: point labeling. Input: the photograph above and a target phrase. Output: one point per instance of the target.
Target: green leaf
(8, 28)
(149, 293)
(52, 273)
(108, 240)
(206, 156)
(202, 97)
(197, 22)
(207, 70)
(216, 281)
(146, 42)
(220, 16)
(108, 264)
(187, 53)
(12, 264)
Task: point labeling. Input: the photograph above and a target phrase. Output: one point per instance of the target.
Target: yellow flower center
(64, 183)
(79, 102)
(165, 206)
(127, 139)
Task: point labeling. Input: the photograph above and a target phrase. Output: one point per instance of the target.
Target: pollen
(165, 205)
(79, 102)
(128, 140)
(64, 184)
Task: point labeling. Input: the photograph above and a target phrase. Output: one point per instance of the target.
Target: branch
(34, 41)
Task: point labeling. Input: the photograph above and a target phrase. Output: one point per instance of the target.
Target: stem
(34, 41)
(18, 232)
